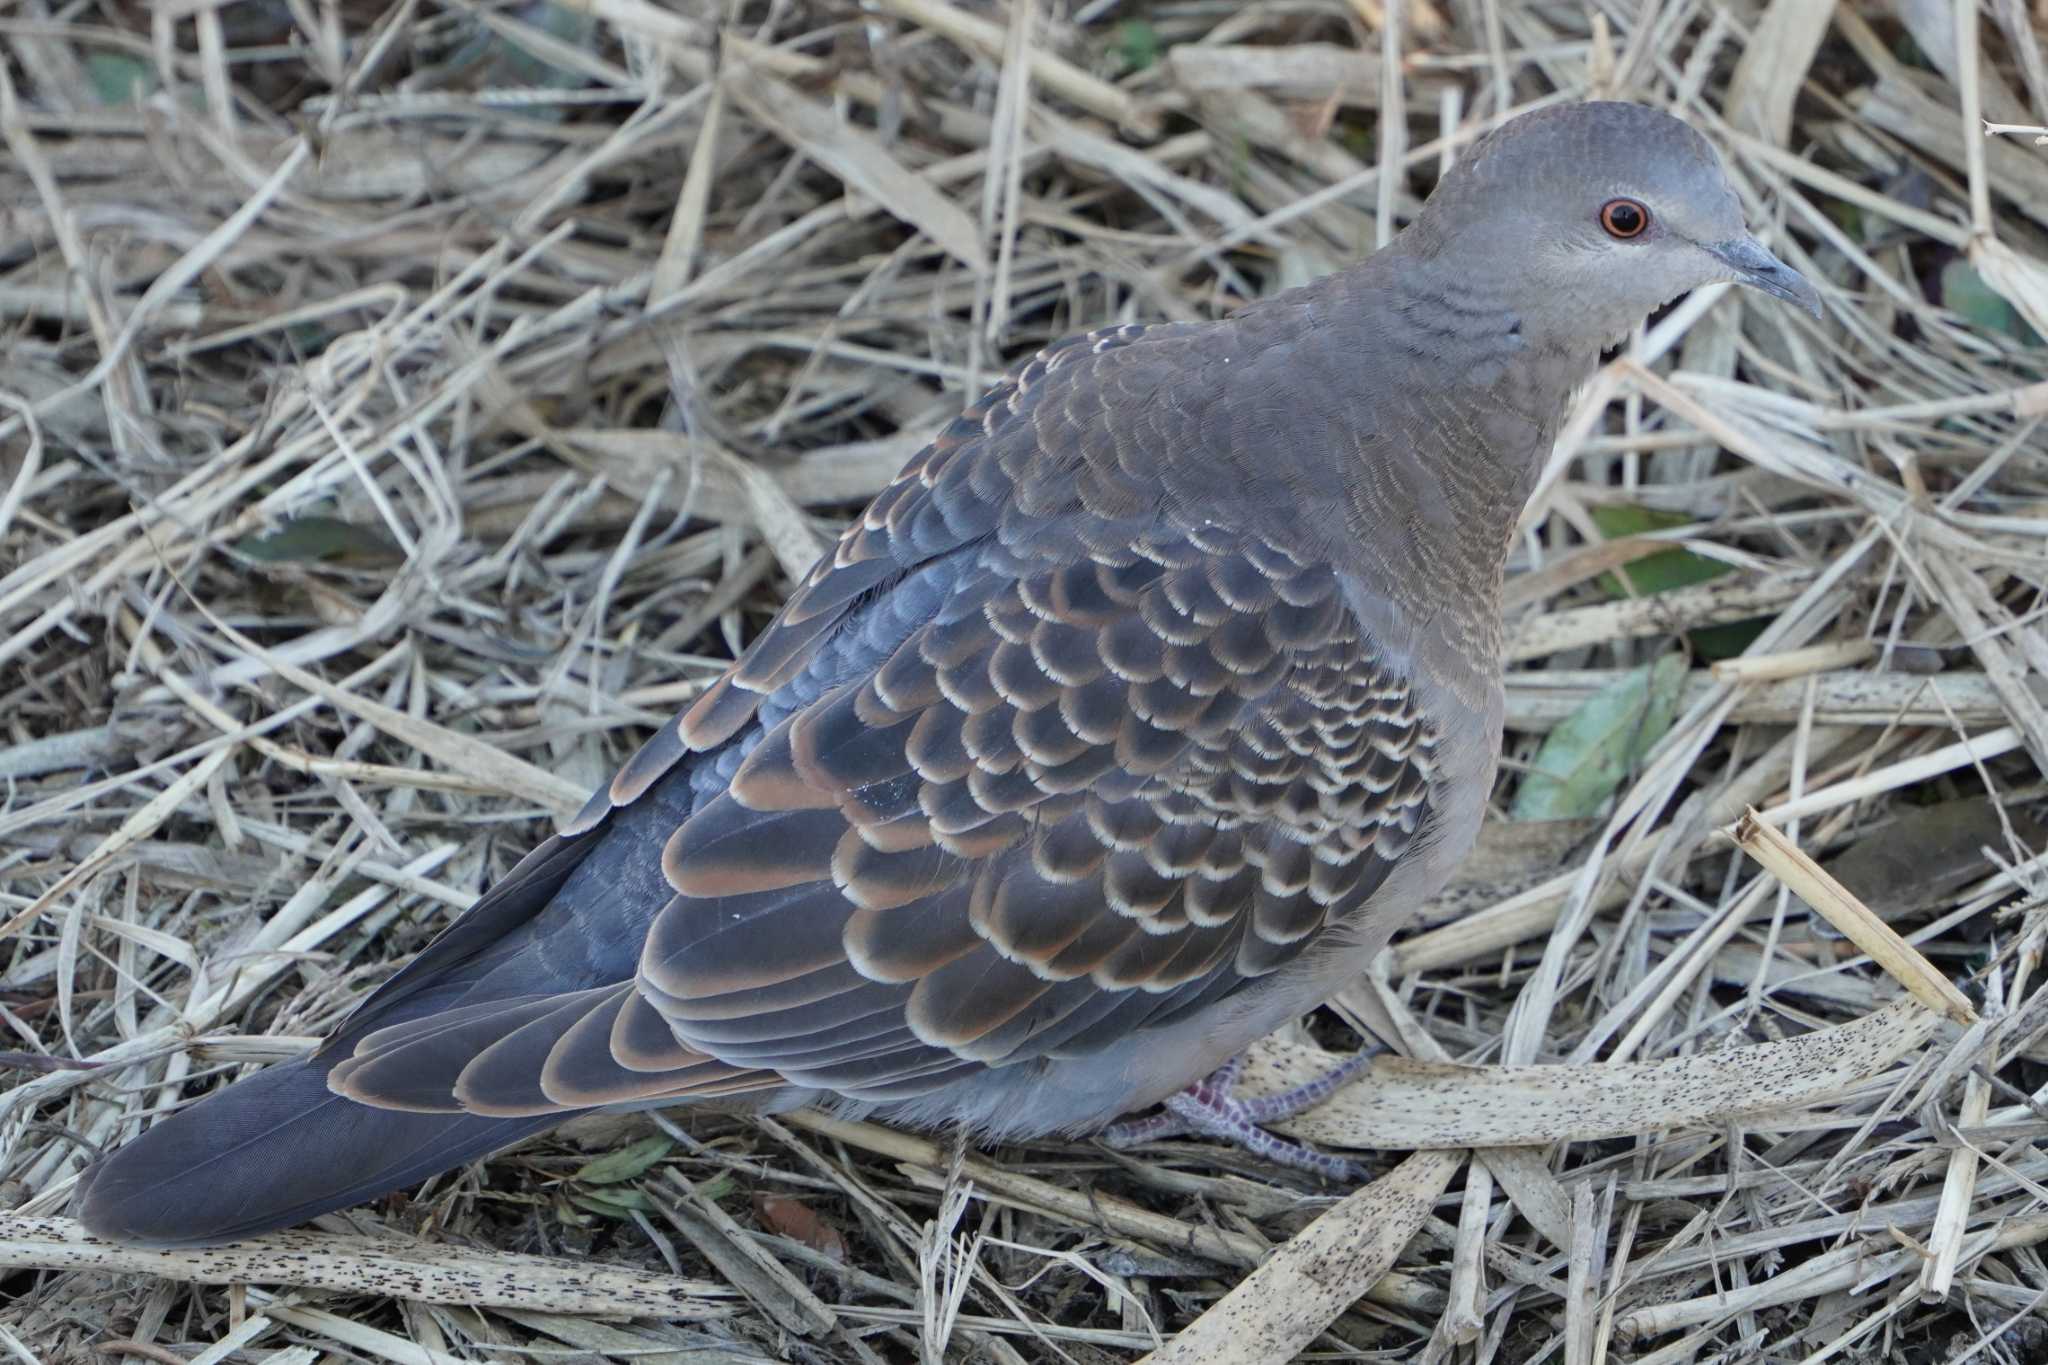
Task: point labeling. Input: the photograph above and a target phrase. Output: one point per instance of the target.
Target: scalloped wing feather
(1027, 763)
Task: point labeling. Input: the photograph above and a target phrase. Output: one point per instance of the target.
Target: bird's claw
(1210, 1109)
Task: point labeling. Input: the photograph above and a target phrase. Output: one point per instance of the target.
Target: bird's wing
(848, 584)
(1029, 762)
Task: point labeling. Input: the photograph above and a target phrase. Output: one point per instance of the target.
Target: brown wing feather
(517, 1058)
(1192, 809)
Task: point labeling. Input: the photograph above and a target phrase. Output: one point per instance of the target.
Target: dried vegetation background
(405, 405)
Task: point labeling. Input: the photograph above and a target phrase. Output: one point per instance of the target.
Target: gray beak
(1759, 269)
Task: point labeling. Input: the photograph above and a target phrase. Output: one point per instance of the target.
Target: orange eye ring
(1625, 218)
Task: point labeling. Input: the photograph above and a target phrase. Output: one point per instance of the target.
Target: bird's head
(1585, 218)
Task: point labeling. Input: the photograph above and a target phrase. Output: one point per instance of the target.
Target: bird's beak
(1759, 269)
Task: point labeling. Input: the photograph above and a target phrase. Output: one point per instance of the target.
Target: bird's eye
(1624, 218)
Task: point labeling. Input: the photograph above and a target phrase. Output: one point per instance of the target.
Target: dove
(1127, 724)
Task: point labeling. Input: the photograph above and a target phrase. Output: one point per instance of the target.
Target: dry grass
(405, 405)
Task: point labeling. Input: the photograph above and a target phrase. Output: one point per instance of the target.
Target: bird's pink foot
(1208, 1108)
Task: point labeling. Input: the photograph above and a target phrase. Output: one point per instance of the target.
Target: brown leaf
(798, 1221)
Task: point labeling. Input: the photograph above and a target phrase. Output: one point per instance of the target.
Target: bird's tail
(271, 1151)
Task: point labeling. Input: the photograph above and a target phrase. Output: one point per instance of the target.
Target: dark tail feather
(272, 1151)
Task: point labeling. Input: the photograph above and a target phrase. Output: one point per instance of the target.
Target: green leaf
(1725, 641)
(119, 77)
(1137, 42)
(612, 1203)
(1654, 573)
(310, 338)
(1964, 293)
(302, 540)
(1847, 216)
(626, 1162)
(509, 62)
(1584, 760)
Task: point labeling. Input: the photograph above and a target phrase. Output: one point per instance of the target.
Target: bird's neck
(1467, 426)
